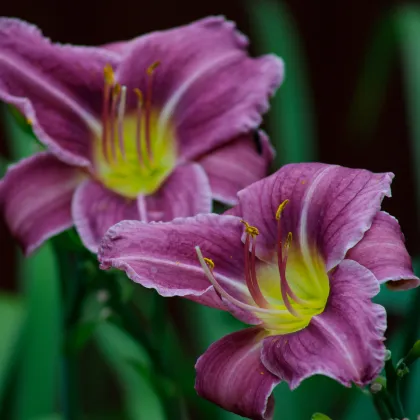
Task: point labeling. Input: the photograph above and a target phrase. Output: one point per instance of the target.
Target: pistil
(116, 91)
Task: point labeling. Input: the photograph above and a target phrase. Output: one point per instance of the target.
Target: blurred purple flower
(300, 258)
(148, 129)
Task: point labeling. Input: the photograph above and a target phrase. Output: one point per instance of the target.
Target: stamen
(108, 83)
(223, 292)
(285, 289)
(250, 230)
(255, 288)
(281, 208)
(115, 95)
(288, 241)
(139, 95)
(109, 75)
(209, 263)
(153, 67)
(150, 73)
(121, 112)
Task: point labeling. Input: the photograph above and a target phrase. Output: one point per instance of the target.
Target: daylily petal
(230, 374)
(330, 207)
(35, 196)
(162, 255)
(383, 252)
(237, 165)
(57, 87)
(205, 83)
(95, 209)
(185, 193)
(345, 342)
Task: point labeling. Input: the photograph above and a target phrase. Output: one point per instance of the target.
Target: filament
(218, 287)
(121, 112)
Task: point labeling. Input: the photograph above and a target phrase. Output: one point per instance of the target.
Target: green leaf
(41, 341)
(132, 365)
(291, 121)
(12, 313)
(320, 416)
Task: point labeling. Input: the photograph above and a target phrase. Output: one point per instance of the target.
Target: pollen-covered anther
(152, 67)
(139, 95)
(109, 75)
(108, 87)
(281, 208)
(288, 242)
(209, 263)
(250, 230)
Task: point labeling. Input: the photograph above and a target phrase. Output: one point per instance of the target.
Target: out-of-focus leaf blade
(3, 166)
(320, 416)
(131, 364)
(12, 313)
(408, 26)
(371, 86)
(21, 140)
(292, 117)
(41, 342)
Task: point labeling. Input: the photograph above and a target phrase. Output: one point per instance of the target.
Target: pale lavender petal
(237, 165)
(162, 255)
(35, 197)
(230, 374)
(185, 193)
(57, 87)
(330, 207)
(95, 209)
(345, 342)
(382, 251)
(206, 84)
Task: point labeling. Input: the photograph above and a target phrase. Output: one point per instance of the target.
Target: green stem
(411, 333)
(381, 407)
(69, 384)
(72, 297)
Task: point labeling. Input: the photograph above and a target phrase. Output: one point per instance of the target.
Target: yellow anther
(29, 121)
(209, 262)
(281, 208)
(251, 230)
(139, 95)
(109, 75)
(117, 89)
(288, 240)
(153, 67)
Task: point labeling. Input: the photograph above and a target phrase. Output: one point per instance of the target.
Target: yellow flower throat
(135, 153)
(285, 293)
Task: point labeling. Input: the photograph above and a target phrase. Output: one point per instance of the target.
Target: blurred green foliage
(136, 351)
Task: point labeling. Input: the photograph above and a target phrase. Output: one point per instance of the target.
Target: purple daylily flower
(299, 258)
(149, 129)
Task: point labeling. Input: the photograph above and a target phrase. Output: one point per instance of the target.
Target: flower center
(284, 293)
(135, 154)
